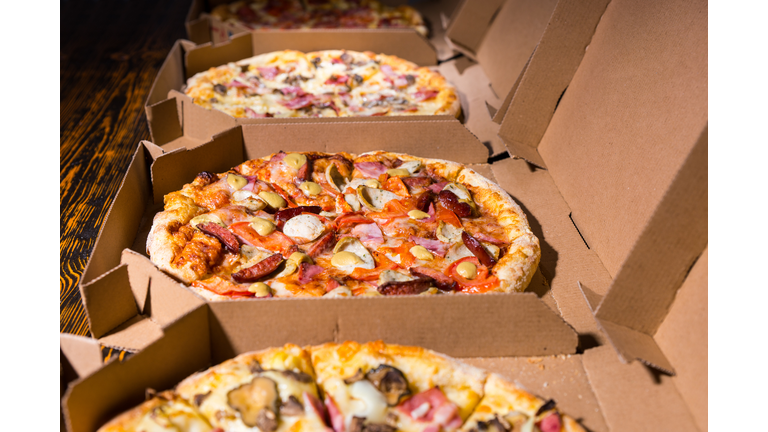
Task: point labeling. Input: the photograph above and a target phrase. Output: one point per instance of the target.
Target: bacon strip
(222, 234)
(437, 187)
(435, 246)
(259, 270)
(422, 182)
(477, 249)
(416, 286)
(441, 281)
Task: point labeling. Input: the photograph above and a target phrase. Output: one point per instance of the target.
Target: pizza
(331, 83)
(347, 387)
(309, 224)
(295, 14)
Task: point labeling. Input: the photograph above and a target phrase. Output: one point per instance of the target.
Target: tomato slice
(351, 219)
(447, 216)
(404, 250)
(480, 284)
(382, 263)
(288, 199)
(221, 286)
(396, 185)
(276, 241)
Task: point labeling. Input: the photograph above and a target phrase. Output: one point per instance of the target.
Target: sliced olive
(391, 382)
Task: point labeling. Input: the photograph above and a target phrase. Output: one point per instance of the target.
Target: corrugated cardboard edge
(645, 287)
(92, 400)
(469, 23)
(548, 73)
(106, 251)
(82, 353)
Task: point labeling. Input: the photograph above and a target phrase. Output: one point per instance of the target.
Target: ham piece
(371, 169)
(432, 407)
(369, 234)
(435, 246)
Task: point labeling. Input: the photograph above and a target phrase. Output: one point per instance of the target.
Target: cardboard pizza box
(533, 328)
(203, 28)
(603, 393)
(171, 115)
(626, 147)
(504, 42)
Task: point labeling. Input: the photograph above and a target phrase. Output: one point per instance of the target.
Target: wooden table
(110, 54)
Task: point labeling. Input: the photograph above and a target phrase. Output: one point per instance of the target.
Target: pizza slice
(386, 388)
(506, 408)
(163, 413)
(270, 390)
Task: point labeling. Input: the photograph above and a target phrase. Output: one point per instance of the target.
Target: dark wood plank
(110, 53)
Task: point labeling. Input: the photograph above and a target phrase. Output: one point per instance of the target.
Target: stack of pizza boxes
(605, 115)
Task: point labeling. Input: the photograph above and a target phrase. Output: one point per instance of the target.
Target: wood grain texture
(110, 53)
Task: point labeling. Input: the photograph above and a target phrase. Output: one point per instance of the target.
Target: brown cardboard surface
(122, 220)
(82, 353)
(108, 301)
(459, 326)
(548, 73)
(470, 22)
(633, 397)
(634, 109)
(511, 39)
(475, 93)
(133, 335)
(94, 399)
(565, 259)
(683, 338)
(645, 287)
(561, 378)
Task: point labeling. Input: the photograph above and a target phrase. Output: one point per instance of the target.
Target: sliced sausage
(222, 234)
(259, 270)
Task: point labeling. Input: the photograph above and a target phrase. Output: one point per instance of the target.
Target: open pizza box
(181, 335)
(534, 328)
(502, 35)
(175, 121)
(203, 28)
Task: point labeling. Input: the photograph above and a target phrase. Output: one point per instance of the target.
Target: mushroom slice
(249, 200)
(303, 228)
(448, 233)
(340, 291)
(334, 178)
(411, 166)
(355, 378)
(390, 381)
(205, 218)
(291, 407)
(350, 254)
(353, 202)
(393, 276)
(457, 251)
(375, 199)
(256, 402)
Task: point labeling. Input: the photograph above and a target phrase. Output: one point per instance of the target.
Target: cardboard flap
(108, 301)
(634, 398)
(165, 299)
(546, 76)
(631, 115)
(207, 55)
(447, 138)
(566, 260)
(470, 22)
(683, 338)
(645, 287)
(122, 219)
(511, 39)
(198, 27)
(82, 353)
(165, 119)
(201, 123)
(483, 324)
(561, 378)
(171, 171)
(133, 335)
(89, 403)
(632, 344)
